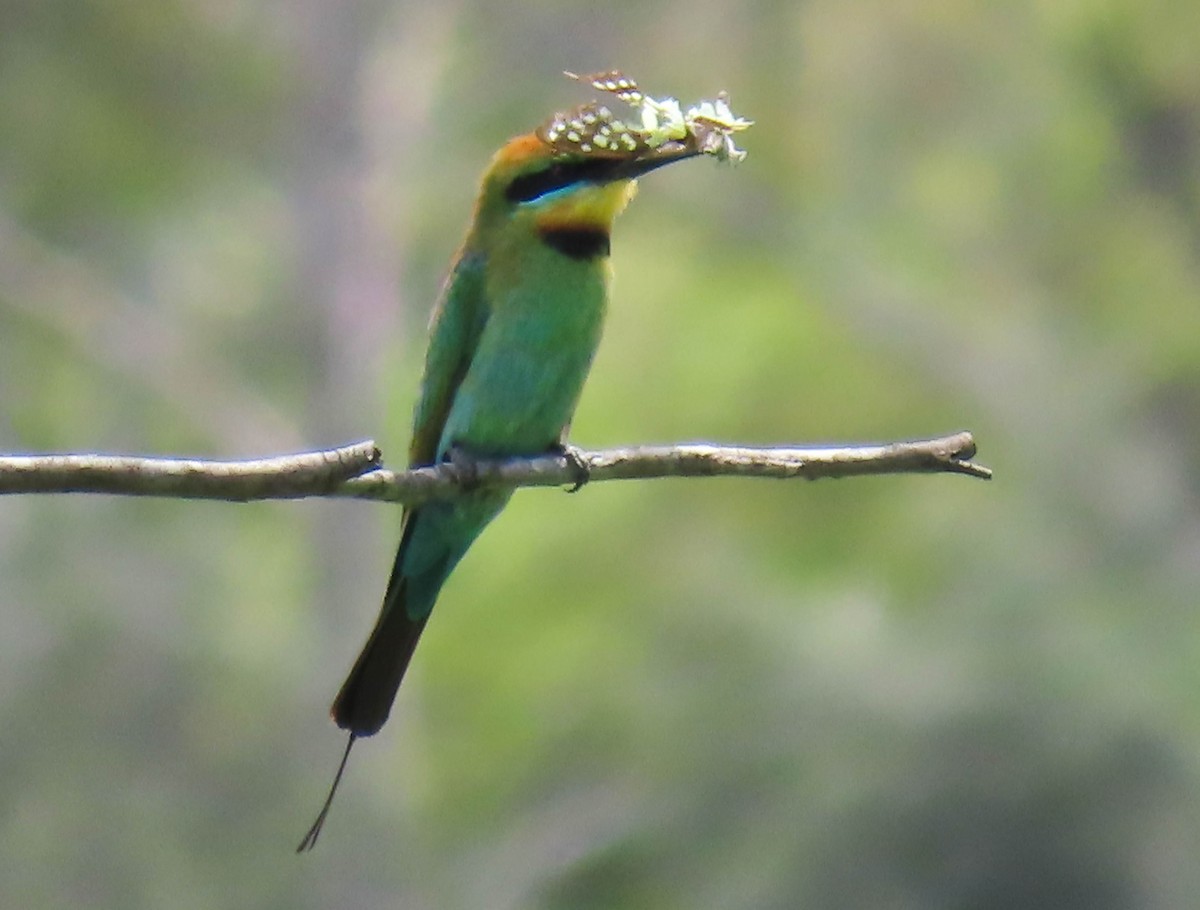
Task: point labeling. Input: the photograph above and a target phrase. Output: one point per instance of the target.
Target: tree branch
(287, 477)
(354, 471)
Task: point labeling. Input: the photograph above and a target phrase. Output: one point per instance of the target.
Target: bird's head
(577, 171)
(550, 181)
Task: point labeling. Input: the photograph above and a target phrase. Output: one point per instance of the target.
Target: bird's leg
(463, 465)
(581, 468)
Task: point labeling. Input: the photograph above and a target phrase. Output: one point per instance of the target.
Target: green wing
(457, 323)
(366, 696)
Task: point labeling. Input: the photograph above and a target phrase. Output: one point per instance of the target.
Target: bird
(512, 339)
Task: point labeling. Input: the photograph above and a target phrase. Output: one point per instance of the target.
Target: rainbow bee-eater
(512, 339)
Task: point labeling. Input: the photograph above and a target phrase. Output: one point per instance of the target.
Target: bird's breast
(533, 356)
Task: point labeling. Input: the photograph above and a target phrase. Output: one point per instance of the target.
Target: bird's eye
(556, 176)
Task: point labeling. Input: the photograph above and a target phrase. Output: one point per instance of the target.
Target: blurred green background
(222, 226)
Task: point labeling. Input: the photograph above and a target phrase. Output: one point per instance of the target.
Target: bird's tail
(436, 536)
(365, 699)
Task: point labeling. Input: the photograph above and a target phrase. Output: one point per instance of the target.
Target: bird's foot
(581, 468)
(464, 467)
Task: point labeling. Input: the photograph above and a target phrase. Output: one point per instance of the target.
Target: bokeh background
(222, 226)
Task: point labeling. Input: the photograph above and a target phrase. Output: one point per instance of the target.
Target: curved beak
(668, 153)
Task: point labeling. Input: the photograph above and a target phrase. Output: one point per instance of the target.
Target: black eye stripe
(557, 175)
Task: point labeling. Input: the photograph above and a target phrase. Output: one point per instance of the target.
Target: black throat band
(577, 243)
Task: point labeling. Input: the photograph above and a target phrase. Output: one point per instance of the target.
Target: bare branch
(286, 477)
(353, 471)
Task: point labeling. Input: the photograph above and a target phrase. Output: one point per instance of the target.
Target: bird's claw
(577, 461)
(463, 466)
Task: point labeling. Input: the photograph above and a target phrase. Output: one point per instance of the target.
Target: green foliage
(221, 231)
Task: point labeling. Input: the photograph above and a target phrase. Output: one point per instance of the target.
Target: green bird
(512, 340)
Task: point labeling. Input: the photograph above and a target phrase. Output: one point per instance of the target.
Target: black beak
(668, 153)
